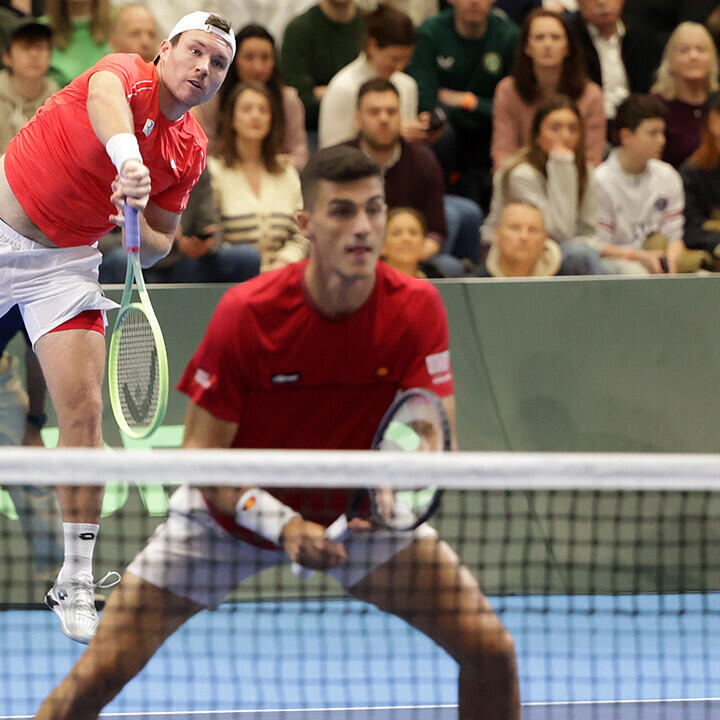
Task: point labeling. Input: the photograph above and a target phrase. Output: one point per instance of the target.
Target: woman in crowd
(256, 62)
(552, 174)
(389, 43)
(404, 246)
(549, 61)
(687, 75)
(701, 179)
(81, 29)
(257, 191)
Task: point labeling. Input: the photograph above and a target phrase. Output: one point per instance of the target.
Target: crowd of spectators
(516, 137)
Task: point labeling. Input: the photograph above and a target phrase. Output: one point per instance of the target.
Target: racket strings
(138, 372)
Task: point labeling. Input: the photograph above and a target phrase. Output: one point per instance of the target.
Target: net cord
(459, 470)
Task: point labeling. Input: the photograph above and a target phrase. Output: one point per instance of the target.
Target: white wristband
(259, 511)
(121, 148)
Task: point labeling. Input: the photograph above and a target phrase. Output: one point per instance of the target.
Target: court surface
(640, 657)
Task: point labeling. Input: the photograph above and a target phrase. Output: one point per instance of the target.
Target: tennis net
(604, 569)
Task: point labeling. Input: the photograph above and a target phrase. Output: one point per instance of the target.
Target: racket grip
(337, 532)
(132, 228)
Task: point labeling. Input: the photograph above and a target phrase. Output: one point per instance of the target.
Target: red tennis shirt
(59, 170)
(294, 378)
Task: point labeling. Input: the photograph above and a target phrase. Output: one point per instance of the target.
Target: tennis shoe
(73, 601)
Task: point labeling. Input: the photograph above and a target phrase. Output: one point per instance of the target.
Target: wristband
(121, 148)
(468, 102)
(264, 514)
(38, 420)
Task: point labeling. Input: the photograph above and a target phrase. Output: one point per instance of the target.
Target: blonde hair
(665, 83)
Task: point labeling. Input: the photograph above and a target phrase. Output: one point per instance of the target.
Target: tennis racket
(416, 421)
(137, 360)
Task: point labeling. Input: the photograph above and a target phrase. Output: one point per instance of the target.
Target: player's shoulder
(265, 290)
(400, 288)
(130, 65)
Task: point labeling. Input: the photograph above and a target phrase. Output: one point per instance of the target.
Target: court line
(175, 713)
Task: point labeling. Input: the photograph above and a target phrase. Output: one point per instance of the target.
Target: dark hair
(636, 108)
(417, 214)
(274, 84)
(227, 141)
(537, 157)
(215, 20)
(388, 26)
(375, 84)
(573, 76)
(339, 164)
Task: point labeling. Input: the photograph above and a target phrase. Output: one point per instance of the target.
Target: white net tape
(491, 471)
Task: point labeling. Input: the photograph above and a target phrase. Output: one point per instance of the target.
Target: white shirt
(339, 104)
(631, 207)
(612, 68)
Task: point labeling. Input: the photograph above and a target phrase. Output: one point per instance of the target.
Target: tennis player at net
(309, 356)
(120, 130)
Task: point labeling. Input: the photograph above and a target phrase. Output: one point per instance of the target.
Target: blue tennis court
(580, 657)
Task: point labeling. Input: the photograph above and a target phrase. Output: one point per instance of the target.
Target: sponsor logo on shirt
(286, 378)
(439, 363)
(445, 63)
(148, 127)
(661, 203)
(492, 62)
(173, 165)
(203, 379)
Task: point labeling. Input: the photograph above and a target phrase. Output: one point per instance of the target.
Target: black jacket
(702, 203)
(641, 52)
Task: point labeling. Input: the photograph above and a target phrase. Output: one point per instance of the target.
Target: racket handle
(337, 532)
(132, 228)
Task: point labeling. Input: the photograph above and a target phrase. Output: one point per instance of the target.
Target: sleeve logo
(438, 363)
(203, 379)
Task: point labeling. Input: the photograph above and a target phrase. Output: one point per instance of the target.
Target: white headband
(198, 21)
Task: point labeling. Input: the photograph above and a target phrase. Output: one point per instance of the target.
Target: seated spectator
(404, 247)
(521, 247)
(621, 57)
(135, 31)
(389, 44)
(701, 180)
(196, 255)
(413, 178)
(549, 61)
(687, 75)
(552, 174)
(257, 193)
(256, 62)
(81, 34)
(24, 88)
(316, 45)
(640, 197)
(460, 56)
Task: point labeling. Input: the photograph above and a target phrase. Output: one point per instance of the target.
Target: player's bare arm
(303, 541)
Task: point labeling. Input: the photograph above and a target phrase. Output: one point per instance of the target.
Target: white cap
(198, 21)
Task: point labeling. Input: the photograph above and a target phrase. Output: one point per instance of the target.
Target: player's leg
(427, 585)
(137, 619)
(73, 363)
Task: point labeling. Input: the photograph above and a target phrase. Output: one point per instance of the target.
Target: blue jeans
(578, 258)
(464, 218)
(231, 264)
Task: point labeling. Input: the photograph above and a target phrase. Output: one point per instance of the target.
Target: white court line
(175, 713)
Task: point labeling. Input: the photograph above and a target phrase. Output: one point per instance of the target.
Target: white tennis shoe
(73, 601)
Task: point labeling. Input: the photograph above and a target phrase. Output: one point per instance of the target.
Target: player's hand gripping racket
(415, 422)
(137, 360)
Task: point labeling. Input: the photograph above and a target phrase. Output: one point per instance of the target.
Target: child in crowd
(552, 174)
(640, 197)
(26, 48)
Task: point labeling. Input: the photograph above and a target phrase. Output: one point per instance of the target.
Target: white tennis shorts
(193, 557)
(51, 285)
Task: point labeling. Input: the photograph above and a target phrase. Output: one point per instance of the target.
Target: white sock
(80, 541)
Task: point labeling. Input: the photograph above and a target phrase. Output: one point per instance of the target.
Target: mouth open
(359, 252)
(196, 84)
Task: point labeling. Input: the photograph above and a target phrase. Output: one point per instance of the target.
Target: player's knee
(82, 419)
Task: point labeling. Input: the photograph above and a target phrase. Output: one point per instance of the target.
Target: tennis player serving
(119, 131)
(309, 356)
